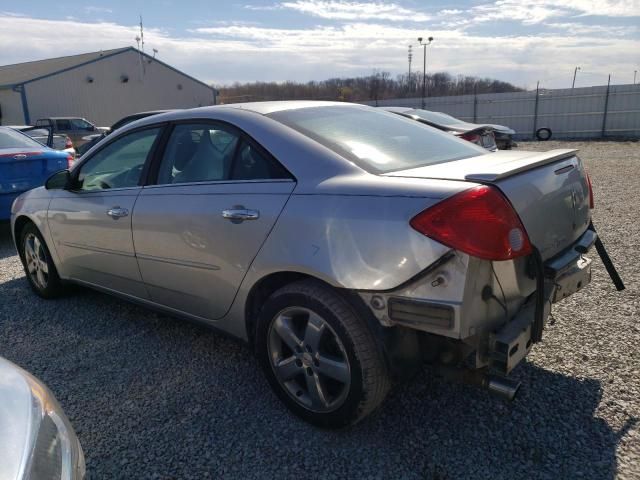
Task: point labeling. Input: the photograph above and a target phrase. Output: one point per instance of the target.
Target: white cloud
(340, 10)
(228, 53)
(93, 10)
(12, 14)
(538, 11)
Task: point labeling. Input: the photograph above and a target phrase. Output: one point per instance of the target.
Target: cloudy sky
(226, 41)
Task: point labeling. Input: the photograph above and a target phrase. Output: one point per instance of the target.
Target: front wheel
(38, 266)
(319, 357)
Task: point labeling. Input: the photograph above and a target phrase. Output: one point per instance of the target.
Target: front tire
(319, 357)
(38, 265)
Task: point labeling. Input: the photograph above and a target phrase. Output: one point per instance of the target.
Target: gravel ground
(152, 397)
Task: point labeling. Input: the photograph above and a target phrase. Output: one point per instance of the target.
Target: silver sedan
(345, 244)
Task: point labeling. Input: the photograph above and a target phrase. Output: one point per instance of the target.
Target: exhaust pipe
(502, 387)
(499, 386)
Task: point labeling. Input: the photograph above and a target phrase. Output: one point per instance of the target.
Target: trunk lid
(22, 170)
(548, 190)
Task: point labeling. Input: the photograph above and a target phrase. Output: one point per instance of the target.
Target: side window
(251, 164)
(119, 164)
(197, 153)
(63, 125)
(80, 124)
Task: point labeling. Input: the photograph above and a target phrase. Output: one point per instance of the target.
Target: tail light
(471, 137)
(479, 221)
(590, 192)
(70, 160)
(68, 143)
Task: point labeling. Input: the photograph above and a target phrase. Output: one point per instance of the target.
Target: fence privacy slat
(589, 112)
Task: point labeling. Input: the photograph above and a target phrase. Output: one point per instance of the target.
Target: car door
(197, 230)
(91, 222)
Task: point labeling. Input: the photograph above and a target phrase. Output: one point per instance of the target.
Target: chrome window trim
(219, 182)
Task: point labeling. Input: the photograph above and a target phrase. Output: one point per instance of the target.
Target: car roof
(61, 118)
(265, 108)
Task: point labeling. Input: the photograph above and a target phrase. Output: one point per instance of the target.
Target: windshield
(435, 117)
(80, 124)
(376, 140)
(9, 138)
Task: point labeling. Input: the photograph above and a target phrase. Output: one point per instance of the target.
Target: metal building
(99, 86)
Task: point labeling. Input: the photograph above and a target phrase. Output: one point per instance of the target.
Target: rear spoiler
(498, 171)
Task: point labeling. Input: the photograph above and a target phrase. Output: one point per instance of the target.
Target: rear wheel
(320, 358)
(38, 265)
(543, 134)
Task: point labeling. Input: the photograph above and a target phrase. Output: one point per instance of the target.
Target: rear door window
(198, 153)
(251, 164)
(63, 124)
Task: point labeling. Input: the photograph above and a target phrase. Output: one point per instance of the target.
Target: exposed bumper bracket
(608, 264)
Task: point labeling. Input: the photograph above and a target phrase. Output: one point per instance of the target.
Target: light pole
(575, 71)
(634, 76)
(409, 83)
(424, 68)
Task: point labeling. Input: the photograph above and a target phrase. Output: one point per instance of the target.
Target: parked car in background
(485, 135)
(345, 243)
(45, 136)
(37, 440)
(75, 127)
(91, 140)
(25, 164)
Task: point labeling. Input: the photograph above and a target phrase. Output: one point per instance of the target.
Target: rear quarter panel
(358, 242)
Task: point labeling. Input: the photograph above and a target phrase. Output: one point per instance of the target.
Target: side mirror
(58, 181)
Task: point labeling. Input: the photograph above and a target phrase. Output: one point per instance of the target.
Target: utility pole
(409, 82)
(606, 108)
(634, 76)
(424, 69)
(575, 71)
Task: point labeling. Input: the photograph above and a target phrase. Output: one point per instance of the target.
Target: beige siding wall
(11, 106)
(107, 99)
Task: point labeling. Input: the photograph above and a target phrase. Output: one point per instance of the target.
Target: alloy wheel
(36, 260)
(308, 359)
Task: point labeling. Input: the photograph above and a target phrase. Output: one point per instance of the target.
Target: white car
(37, 440)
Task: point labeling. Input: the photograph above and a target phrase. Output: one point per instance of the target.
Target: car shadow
(154, 397)
(7, 248)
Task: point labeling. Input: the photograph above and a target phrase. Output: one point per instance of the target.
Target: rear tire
(319, 357)
(38, 265)
(543, 134)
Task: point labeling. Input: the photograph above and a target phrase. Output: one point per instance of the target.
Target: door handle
(237, 215)
(117, 212)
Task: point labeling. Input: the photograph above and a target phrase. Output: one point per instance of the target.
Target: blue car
(25, 164)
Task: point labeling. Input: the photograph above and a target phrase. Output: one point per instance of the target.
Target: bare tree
(378, 86)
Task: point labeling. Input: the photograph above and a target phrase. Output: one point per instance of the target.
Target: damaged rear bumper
(563, 276)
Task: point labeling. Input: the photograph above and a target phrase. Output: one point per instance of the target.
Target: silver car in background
(344, 243)
(36, 439)
(489, 136)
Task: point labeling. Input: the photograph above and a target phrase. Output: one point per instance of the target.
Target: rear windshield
(435, 117)
(9, 138)
(375, 140)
